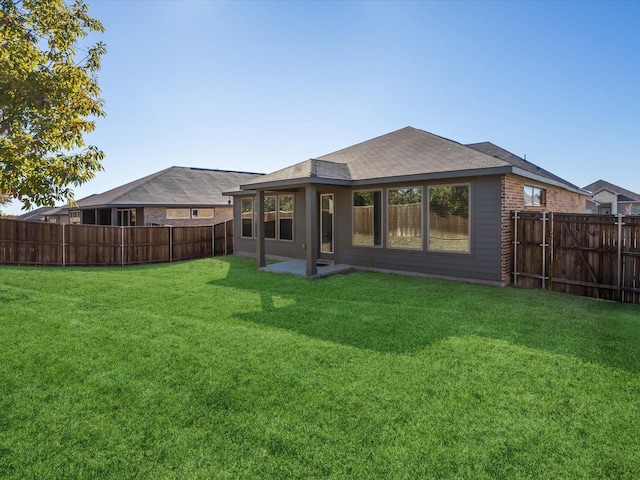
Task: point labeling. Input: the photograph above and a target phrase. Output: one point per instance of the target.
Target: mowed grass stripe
(208, 369)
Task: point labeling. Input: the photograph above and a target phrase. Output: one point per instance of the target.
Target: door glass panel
(326, 223)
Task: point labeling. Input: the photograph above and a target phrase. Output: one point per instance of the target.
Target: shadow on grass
(397, 314)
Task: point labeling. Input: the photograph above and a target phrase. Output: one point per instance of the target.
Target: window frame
(469, 216)
(75, 217)
(381, 220)
(194, 213)
(280, 218)
(388, 205)
(175, 213)
(533, 188)
(251, 201)
(277, 228)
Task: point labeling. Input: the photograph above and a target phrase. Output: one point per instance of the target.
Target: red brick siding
(556, 200)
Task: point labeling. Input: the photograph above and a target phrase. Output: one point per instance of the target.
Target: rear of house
(408, 201)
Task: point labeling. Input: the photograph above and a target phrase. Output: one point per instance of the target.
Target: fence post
(620, 224)
(170, 243)
(515, 247)
(226, 252)
(544, 249)
(122, 245)
(63, 249)
(213, 240)
(551, 252)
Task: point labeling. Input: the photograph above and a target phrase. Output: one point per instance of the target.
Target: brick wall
(557, 200)
(158, 216)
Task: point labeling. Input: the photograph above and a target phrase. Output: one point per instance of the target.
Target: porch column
(312, 230)
(260, 257)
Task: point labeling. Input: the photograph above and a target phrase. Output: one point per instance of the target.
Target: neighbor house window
(404, 212)
(285, 217)
(127, 217)
(270, 217)
(534, 196)
(278, 217)
(202, 213)
(367, 218)
(246, 206)
(178, 213)
(74, 216)
(449, 219)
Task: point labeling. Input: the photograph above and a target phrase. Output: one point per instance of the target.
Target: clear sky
(257, 86)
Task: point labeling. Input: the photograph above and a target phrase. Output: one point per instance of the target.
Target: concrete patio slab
(299, 267)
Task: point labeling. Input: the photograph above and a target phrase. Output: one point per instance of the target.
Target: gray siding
(274, 248)
(482, 263)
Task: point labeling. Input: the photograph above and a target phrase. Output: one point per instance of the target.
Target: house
(610, 199)
(175, 196)
(408, 201)
(57, 214)
(36, 215)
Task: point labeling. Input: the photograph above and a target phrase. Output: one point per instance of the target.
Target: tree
(49, 98)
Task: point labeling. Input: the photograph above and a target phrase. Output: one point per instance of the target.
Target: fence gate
(589, 255)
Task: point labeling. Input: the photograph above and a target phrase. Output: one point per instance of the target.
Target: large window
(246, 205)
(534, 196)
(278, 217)
(285, 217)
(449, 218)
(367, 218)
(75, 216)
(404, 218)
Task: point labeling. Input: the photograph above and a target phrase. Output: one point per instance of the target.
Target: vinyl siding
(482, 263)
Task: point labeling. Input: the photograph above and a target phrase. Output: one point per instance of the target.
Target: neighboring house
(174, 196)
(37, 215)
(408, 201)
(610, 199)
(57, 215)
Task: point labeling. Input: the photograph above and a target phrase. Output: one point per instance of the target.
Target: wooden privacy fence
(39, 243)
(589, 255)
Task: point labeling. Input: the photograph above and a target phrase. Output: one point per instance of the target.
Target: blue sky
(257, 86)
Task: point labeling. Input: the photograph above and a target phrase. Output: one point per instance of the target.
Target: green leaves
(49, 98)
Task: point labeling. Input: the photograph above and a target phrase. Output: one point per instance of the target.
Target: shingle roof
(498, 152)
(405, 153)
(172, 186)
(624, 195)
(34, 215)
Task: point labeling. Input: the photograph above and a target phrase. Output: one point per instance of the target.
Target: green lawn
(208, 369)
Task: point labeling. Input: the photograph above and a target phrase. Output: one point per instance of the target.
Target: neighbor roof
(174, 186)
(624, 195)
(34, 215)
(406, 154)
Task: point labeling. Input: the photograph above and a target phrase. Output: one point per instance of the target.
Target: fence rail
(589, 255)
(39, 243)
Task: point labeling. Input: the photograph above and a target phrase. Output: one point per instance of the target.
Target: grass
(208, 369)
